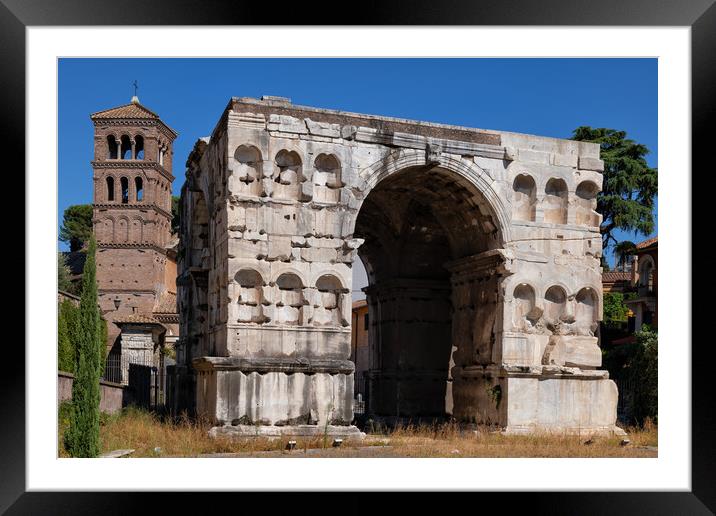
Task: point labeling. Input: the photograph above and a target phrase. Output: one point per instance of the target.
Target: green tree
(63, 275)
(66, 353)
(626, 201)
(76, 226)
(82, 437)
(644, 373)
(175, 214)
(614, 308)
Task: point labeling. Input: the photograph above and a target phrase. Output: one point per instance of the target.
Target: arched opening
(112, 147)
(247, 171)
(586, 312)
(524, 307)
(433, 290)
(555, 306)
(290, 300)
(250, 296)
(110, 189)
(139, 147)
(287, 175)
(555, 201)
(327, 179)
(328, 306)
(126, 147)
(139, 186)
(586, 204)
(124, 184)
(524, 201)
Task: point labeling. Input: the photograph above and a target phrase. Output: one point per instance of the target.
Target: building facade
(645, 282)
(136, 266)
(482, 250)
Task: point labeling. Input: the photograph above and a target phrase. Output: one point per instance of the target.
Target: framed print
(300, 161)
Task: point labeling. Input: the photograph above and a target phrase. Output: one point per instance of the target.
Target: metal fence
(145, 380)
(625, 403)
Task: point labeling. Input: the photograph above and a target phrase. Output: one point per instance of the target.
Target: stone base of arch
(532, 400)
(276, 396)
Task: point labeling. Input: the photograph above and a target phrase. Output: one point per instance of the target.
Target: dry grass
(150, 436)
(449, 440)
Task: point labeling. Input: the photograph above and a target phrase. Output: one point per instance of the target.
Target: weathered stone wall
(111, 394)
(482, 249)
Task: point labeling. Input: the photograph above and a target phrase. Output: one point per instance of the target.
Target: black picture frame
(700, 15)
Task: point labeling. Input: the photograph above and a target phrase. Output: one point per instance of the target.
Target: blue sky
(548, 97)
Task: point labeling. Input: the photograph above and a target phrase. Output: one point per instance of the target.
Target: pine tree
(82, 437)
(629, 188)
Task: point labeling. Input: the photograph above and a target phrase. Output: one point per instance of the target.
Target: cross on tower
(136, 87)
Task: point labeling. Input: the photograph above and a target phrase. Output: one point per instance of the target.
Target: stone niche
(482, 252)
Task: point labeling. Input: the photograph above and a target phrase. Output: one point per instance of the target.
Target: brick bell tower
(132, 210)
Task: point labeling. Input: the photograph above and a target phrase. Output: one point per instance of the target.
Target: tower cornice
(132, 163)
(133, 206)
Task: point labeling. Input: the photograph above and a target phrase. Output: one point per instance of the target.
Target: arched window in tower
(138, 147)
(555, 201)
(112, 147)
(110, 189)
(138, 184)
(124, 184)
(126, 150)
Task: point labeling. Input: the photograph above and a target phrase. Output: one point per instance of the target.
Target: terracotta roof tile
(166, 304)
(136, 319)
(647, 243)
(127, 111)
(614, 276)
(359, 303)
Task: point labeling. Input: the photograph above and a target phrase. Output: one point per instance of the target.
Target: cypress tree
(66, 356)
(82, 437)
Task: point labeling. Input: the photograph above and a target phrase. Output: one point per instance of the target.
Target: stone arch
(524, 198)
(432, 238)
(250, 297)
(555, 305)
(327, 176)
(287, 175)
(586, 204)
(290, 299)
(524, 300)
(587, 311)
(470, 172)
(328, 306)
(556, 200)
(248, 170)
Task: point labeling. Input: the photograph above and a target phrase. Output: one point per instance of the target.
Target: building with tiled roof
(645, 282)
(616, 281)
